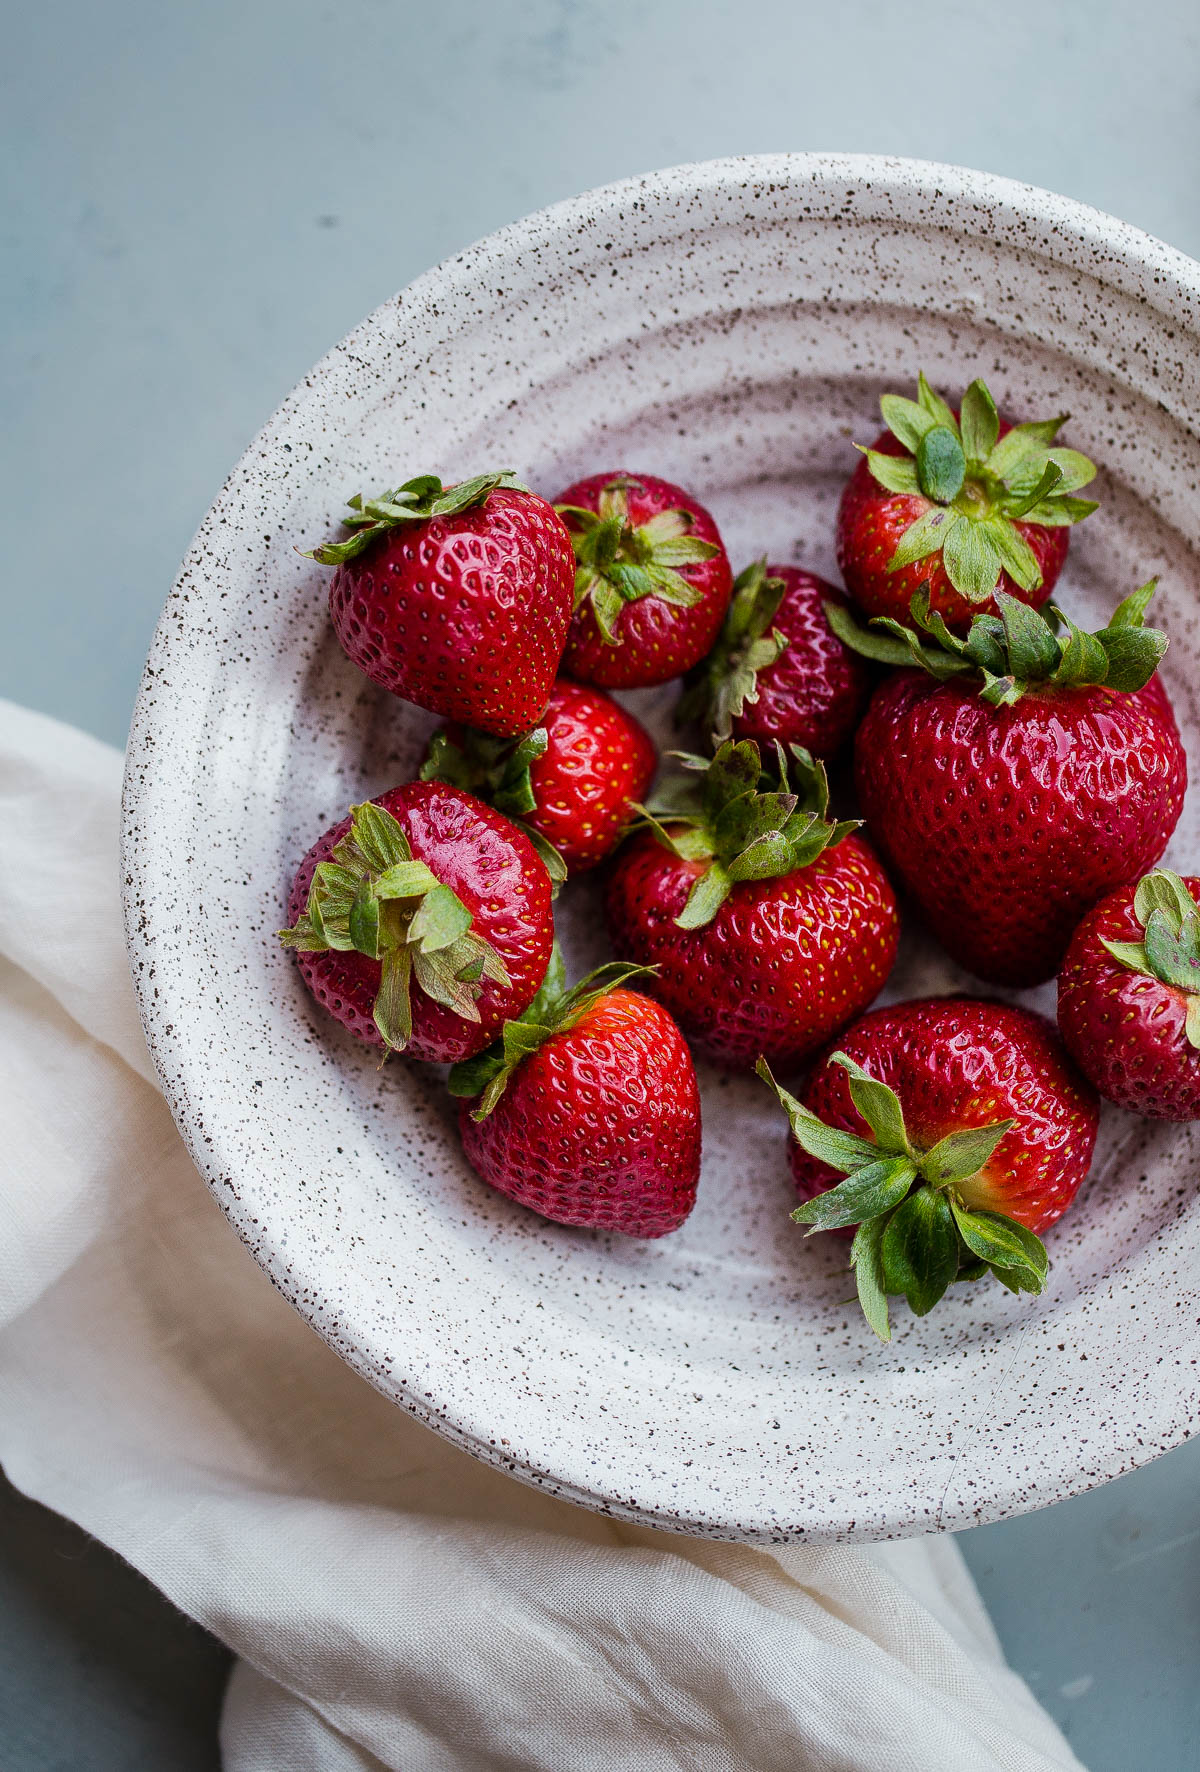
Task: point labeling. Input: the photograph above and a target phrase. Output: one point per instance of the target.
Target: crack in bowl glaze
(729, 326)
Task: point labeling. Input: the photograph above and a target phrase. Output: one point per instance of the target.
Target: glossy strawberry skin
(598, 759)
(956, 1063)
(815, 692)
(1007, 824)
(782, 965)
(600, 1126)
(1127, 1031)
(871, 521)
(655, 640)
(499, 877)
(465, 615)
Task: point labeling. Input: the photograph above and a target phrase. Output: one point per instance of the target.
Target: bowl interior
(731, 328)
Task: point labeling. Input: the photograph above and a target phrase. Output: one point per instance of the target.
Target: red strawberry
(1023, 778)
(962, 1129)
(588, 1110)
(652, 583)
(1129, 996)
(456, 598)
(964, 503)
(422, 922)
(569, 782)
(769, 927)
(778, 671)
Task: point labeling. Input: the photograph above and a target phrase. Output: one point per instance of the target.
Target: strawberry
(652, 582)
(962, 1130)
(778, 671)
(587, 1110)
(569, 783)
(1129, 996)
(769, 927)
(962, 502)
(422, 922)
(1019, 776)
(456, 598)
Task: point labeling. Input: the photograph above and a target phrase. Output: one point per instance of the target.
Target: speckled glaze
(731, 327)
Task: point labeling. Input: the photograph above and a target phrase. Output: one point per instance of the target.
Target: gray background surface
(198, 202)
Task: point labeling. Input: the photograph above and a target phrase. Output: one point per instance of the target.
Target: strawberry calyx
(415, 502)
(718, 689)
(496, 770)
(916, 1234)
(618, 562)
(373, 898)
(1017, 650)
(719, 813)
(978, 485)
(1170, 947)
(553, 1010)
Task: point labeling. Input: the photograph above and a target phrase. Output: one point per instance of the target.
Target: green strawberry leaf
(706, 897)
(971, 559)
(867, 1261)
(962, 1154)
(895, 473)
(869, 1191)
(844, 1151)
(907, 421)
(935, 406)
(922, 538)
(979, 421)
(920, 1249)
(941, 464)
(1173, 948)
(878, 1105)
(1001, 1242)
(1192, 1024)
(1161, 890)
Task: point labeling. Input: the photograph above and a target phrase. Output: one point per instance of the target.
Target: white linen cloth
(392, 1602)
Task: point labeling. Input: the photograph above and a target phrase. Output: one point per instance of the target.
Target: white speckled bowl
(730, 326)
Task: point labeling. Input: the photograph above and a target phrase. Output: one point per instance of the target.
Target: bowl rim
(1069, 232)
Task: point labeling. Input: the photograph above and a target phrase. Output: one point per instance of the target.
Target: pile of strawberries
(1018, 780)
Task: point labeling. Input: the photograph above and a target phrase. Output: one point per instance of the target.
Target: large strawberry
(587, 1110)
(1129, 996)
(570, 782)
(961, 1129)
(422, 922)
(769, 927)
(962, 502)
(778, 671)
(652, 582)
(456, 598)
(1019, 775)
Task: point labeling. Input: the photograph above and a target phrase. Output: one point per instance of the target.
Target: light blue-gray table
(199, 200)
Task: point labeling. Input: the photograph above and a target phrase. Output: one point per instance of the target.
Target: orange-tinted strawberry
(778, 671)
(652, 582)
(456, 598)
(961, 502)
(587, 1111)
(1129, 996)
(1019, 776)
(769, 928)
(422, 922)
(950, 1132)
(570, 782)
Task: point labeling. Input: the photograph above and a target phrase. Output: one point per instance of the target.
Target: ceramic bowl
(730, 326)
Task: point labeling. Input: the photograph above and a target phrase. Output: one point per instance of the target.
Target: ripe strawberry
(422, 922)
(778, 671)
(962, 1129)
(1129, 996)
(964, 503)
(587, 1110)
(769, 927)
(652, 583)
(569, 782)
(456, 598)
(1021, 779)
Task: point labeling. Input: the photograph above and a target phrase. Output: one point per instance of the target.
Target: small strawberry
(456, 598)
(962, 502)
(587, 1110)
(769, 927)
(778, 671)
(962, 1130)
(1129, 996)
(1019, 775)
(652, 582)
(422, 922)
(570, 782)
